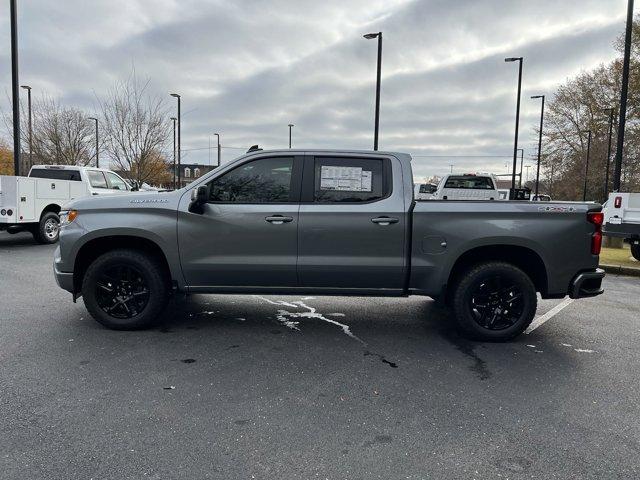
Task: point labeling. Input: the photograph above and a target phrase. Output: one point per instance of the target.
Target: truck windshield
(55, 174)
(469, 181)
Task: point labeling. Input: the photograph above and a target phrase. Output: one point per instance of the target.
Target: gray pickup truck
(326, 222)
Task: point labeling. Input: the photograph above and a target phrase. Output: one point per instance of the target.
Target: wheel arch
(52, 207)
(95, 247)
(522, 257)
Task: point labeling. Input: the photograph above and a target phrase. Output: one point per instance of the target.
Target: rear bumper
(623, 230)
(587, 284)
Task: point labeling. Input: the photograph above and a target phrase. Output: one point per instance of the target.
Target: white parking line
(548, 316)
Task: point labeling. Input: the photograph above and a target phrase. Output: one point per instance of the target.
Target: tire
(635, 251)
(494, 301)
(125, 290)
(48, 230)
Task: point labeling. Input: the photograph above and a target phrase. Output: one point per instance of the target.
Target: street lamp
(97, 143)
(179, 116)
(290, 127)
(174, 119)
(218, 138)
(606, 177)
(586, 167)
(539, 142)
(623, 97)
(15, 91)
(370, 36)
(515, 143)
(28, 89)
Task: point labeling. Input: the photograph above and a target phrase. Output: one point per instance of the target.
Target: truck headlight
(67, 216)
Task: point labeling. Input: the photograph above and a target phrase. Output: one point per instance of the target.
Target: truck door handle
(384, 220)
(278, 219)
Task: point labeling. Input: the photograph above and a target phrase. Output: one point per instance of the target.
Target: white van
(32, 203)
(469, 186)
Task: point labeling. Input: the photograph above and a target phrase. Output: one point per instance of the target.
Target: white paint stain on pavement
(286, 317)
(584, 350)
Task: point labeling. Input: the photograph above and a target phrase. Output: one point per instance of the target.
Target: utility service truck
(33, 203)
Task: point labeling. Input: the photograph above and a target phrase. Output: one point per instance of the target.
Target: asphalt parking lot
(303, 387)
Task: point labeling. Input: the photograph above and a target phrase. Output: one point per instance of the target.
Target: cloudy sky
(247, 68)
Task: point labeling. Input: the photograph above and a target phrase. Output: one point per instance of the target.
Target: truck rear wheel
(48, 230)
(125, 290)
(635, 251)
(494, 301)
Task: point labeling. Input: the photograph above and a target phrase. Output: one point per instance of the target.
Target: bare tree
(135, 128)
(579, 105)
(61, 135)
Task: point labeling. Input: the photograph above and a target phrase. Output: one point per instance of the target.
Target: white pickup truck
(622, 219)
(469, 186)
(33, 203)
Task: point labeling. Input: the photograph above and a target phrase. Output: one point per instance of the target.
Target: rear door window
(350, 180)
(469, 182)
(56, 174)
(96, 179)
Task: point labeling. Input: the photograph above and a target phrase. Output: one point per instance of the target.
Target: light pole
(97, 142)
(290, 127)
(370, 36)
(623, 97)
(451, 168)
(179, 116)
(586, 167)
(539, 142)
(15, 91)
(174, 119)
(521, 150)
(28, 89)
(608, 166)
(515, 143)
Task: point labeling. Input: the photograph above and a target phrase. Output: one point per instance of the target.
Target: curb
(620, 270)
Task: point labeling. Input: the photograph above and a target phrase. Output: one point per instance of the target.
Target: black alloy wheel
(496, 303)
(121, 291)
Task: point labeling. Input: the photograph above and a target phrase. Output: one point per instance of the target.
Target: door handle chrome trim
(384, 220)
(278, 219)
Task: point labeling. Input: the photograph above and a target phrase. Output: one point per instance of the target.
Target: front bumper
(63, 279)
(587, 284)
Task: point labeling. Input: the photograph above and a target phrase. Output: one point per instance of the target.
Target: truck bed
(443, 231)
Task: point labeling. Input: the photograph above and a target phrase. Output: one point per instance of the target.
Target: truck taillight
(617, 202)
(596, 239)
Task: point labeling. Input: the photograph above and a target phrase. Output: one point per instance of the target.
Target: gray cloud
(248, 68)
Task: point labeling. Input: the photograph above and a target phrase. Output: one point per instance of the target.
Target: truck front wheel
(48, 230)
(635, 251)
(125, 289)
(494, 301)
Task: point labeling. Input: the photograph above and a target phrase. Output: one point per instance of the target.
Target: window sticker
(345, 179)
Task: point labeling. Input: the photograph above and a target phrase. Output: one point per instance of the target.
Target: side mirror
(199, 196)
(134, 186)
